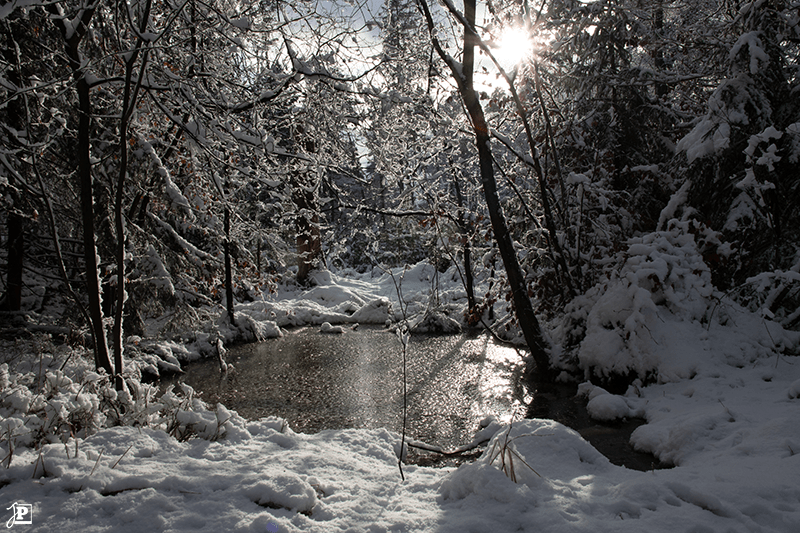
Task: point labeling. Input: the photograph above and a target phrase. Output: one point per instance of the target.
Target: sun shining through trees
(514, 45)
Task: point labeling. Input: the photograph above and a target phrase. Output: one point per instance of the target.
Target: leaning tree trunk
(463, 75)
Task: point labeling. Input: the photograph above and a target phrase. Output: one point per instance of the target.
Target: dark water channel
(320, 381)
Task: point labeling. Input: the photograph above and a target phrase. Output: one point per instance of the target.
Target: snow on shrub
(662, 276)
(436, 321)
(47, 408)
(42, 404)
(160, 277)
(284, 490)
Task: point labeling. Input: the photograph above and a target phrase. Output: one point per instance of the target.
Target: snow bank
(431, 301)
(536, 453)
(563, 484)
(371, 298)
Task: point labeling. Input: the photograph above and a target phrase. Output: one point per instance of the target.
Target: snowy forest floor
(724, 410)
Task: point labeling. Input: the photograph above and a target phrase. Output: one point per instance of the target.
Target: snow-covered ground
(723, 407)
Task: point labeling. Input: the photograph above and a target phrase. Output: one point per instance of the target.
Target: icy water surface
(319, 381)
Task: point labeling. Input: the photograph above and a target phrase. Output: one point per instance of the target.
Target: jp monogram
(21, 513)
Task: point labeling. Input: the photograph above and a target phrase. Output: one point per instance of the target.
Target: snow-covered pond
(319, 381)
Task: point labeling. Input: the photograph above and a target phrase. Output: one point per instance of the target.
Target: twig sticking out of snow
(97, 462)
(489, 427)
(506, 453)
(404, 335)
(120, 457)
(39, 460)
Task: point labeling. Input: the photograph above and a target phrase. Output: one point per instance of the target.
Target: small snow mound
(489, 427)
(269, 329)
(421, 272)
(485, 481)
(377, 311)
(258, 330)
(164, 355)
(320, 278)
(326, 327)
(542, 454)
(436, 322)
(606, 407)
(169, 363)
(285, 490)
(794, 390)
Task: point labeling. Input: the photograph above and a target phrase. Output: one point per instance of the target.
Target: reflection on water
(321, 381)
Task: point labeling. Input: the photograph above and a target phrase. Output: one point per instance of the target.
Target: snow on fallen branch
(489, 427)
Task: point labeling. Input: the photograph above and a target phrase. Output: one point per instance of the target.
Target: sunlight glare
(513, 46)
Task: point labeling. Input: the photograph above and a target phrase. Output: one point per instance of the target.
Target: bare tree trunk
(130, 95)
(226, 248)
(93, 287)
(72, 40)
(516, 280)
(465, 233)
(662, 89)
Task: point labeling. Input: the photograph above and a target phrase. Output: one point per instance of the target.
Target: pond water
(319, 381)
